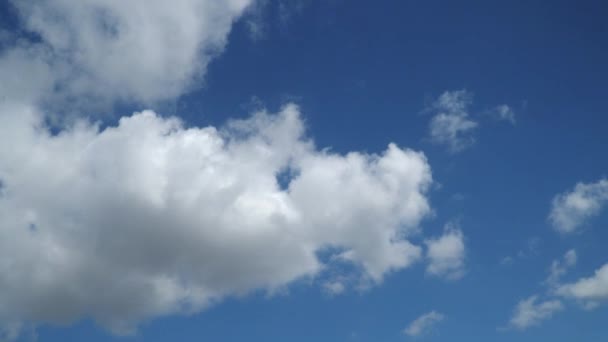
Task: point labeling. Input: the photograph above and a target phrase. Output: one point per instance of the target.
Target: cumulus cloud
(451, 125)
(530, 312)
(122, 50)
(446, 254)
(560, 267)
(571, 209)
(423, 324)
(150, 217)
(590, 291)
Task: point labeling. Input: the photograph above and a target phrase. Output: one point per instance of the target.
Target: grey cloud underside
(149, 218)
(106, 51)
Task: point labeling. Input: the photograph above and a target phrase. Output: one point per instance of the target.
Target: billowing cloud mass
(530, 312)
(451, 125)
(446, 254)
(150, 217)
(423, 323)
(571, 209)
(590, 291)
(117, 50)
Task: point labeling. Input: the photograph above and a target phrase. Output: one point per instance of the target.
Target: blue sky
(485, 220)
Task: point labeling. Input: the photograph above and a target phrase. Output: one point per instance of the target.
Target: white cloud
(591, 291)
(570, 210)
(560, 267)
(150, 218)
(446, 254)
(530, 312)
(143, 50)
(451, 125)
(423, 323)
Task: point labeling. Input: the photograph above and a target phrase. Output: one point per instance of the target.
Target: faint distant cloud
(503, 112)
(334, 287)
(451, 125)
(267, 14)
(560, 267)
(530, 249)
(423, 324)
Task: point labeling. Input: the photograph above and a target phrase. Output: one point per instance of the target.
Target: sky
(272, 170)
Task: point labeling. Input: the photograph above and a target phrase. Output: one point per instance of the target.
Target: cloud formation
(571, 209)
(590, 291)
(446, 254)
(423, 324)
(139, 50)
(503, 112)
(149, 217)
(560, 267)
(530, 312)
(451, 125)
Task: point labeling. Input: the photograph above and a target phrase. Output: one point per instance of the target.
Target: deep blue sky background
(363, 74)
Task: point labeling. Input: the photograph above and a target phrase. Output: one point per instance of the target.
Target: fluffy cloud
(150, 217)
(571, 209)
(451, 125)
(123, 50)
(530, 312)
(591, 291)
(446, 254)
(423, 323)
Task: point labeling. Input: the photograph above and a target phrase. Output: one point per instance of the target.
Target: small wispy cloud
(531, 312)
(451, 125)
(503, 112)
(560, 267)
(423, 324)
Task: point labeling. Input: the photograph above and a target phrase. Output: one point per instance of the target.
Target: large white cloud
(150, 217)
(571, 209)
(142, 50)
